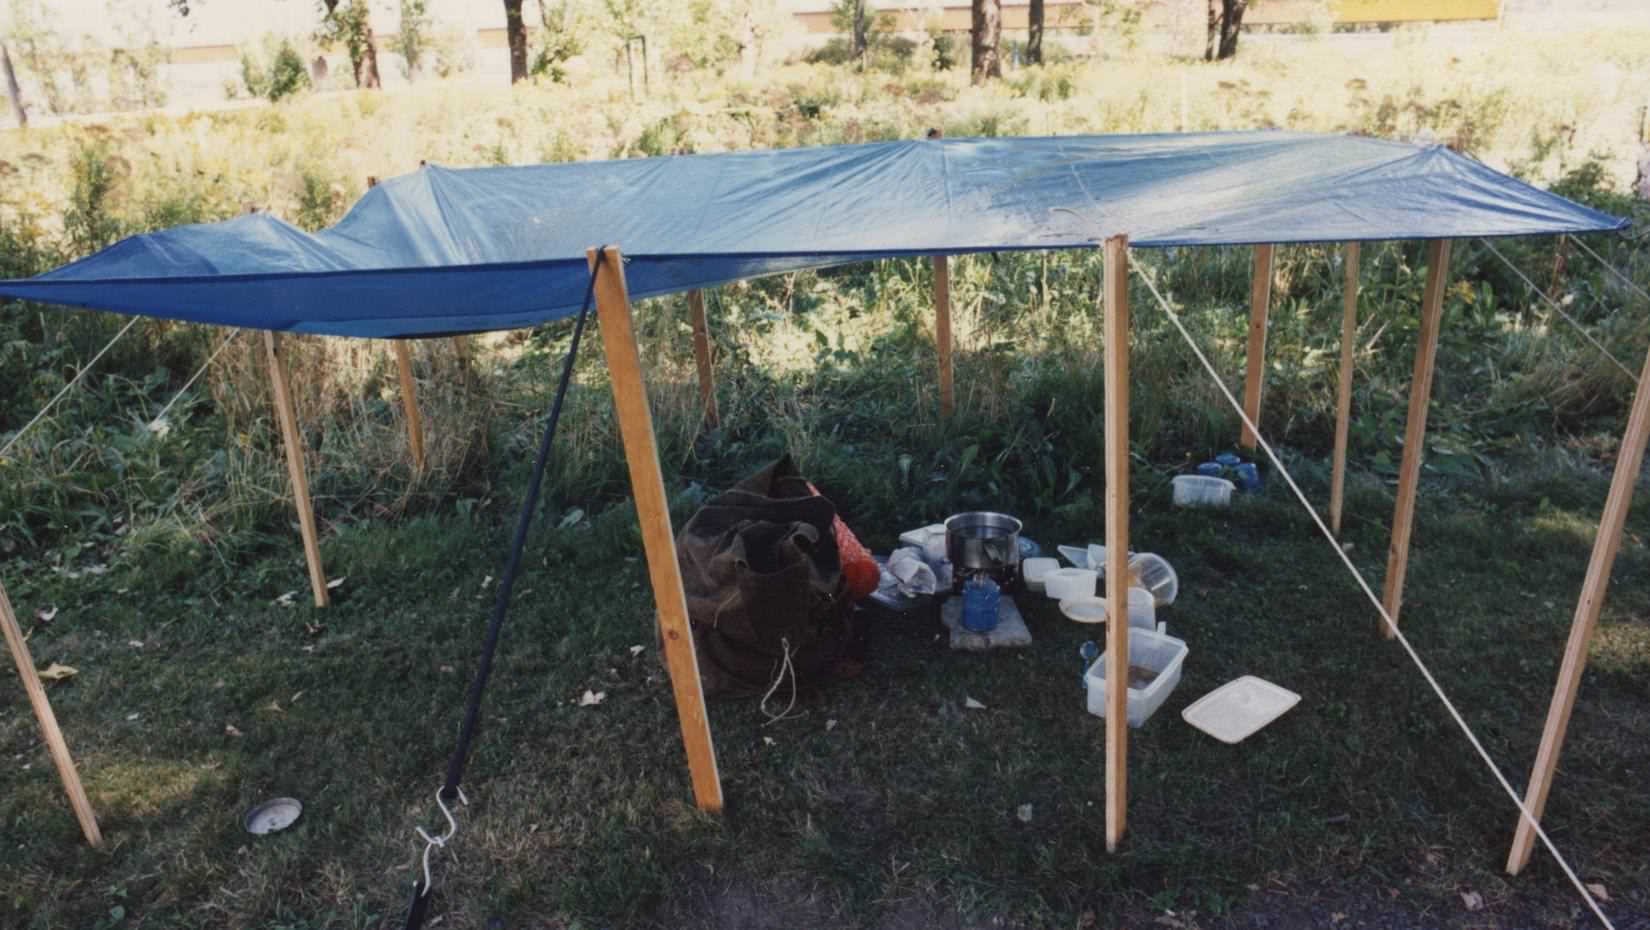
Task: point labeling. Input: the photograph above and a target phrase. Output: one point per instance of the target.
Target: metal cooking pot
(983, 543)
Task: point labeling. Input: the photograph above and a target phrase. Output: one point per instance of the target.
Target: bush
(285, 76)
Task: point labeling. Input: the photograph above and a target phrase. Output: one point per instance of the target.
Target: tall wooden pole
(624, 366)
(1415, 432)
(942, 333)
(409, 402)
(1605, 546)
(1116, 324)
(701, 357)
(1343, 394)
(19, 112)
(55, 744)
(1260, 304)
(290, 438)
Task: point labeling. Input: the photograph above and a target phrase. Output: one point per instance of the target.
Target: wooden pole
(288, 416)
(409, 402)
(1605, 546)
(1343, 395)
(55, 743)
(1116, 255)
(942, 333)
(1415, 432)
(1260, 305)
(647, 484)
(701, 356)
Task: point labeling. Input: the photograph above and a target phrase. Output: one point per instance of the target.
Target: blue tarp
(477, 249)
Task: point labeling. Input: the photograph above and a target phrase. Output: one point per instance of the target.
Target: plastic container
(1069, 582)
(1154, 573)
(1228, 459)
(1155, 653)
(1033, 569)
(1202, 491)
(1248, 477)
(1211, 469)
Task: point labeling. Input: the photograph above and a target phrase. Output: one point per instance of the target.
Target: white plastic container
(1064, 583)
(1148, 650)
(1033, 569)
(1202, 491)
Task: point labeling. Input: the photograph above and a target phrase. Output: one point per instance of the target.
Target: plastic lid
(1234, 711)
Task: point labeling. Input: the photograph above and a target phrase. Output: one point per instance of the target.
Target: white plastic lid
(1234, 711)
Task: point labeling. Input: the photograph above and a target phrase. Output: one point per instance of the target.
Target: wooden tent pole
(288, 416)
(1116, 323)
(1415, 432)
(942, 333)
(701, 357)
(1260, 305)
(55, 743)
(1343, 396)
(1605, 546)
(409, 402)
(647, 484)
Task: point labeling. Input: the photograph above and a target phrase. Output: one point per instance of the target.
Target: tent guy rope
(159, 418)
(1386, 618)
(1620, 275)
(67, 387)
(1560, 310)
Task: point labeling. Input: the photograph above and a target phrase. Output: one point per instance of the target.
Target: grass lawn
(886, 802)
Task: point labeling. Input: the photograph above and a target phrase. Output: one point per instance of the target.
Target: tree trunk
(1212, 43)
(517, 32)
(861, 37)
(366, 73)
(12, 90)
(987, 34)
(1231, 24)
(1034, 33)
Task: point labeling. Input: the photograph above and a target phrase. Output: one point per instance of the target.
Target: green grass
(582, 816)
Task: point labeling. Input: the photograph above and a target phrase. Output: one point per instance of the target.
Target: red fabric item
(858, 568)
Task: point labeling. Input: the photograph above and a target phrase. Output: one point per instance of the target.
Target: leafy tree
(559, 39)
(852, 17)
(412, 36)
(516, 30)
(987, 34)
(350, 24)
(285, 76)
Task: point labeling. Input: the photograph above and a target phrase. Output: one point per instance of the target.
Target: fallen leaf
(294, 698)
(1598, 891)
(830, 725)
(1473, 900)
(767, 741)
(57, 672)
(972, 704)
(285, 600)
(1336, 917)
(135, 643)
(637, 650)
(592, 698)
(447, 670)
(130, 717)
(335, 583)
(45, 616)
(276, 708)
(229, 729)
(1023, 812)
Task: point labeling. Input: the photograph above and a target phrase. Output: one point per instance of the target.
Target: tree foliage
(412, 35)
(349, 24)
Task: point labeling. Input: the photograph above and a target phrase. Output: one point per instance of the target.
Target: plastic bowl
(1160, 655)
(1154, 573)
(1202, 491)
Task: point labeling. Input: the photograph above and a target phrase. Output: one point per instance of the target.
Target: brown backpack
(764, 584)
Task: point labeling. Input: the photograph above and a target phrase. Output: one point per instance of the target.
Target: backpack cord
(419, 904)
(786, 667)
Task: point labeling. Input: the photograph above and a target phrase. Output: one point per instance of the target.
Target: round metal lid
(273, 816)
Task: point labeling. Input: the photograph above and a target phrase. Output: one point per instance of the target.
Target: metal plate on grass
(273, 816)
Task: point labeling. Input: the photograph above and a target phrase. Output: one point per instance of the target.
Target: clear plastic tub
(1202, 491)
(1152, 652)
(1154, 573)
